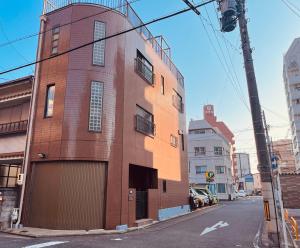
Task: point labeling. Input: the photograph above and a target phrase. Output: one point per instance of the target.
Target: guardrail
(13, 127)
(125, 8)
(295, 229)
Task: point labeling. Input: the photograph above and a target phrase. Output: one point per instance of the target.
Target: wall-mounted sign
(210, 176)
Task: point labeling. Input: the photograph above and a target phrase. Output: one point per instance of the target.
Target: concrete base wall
(167, 213)
(6, 206)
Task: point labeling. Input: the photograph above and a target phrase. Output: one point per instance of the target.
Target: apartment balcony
(144, 126)
(158, 44)
(144, 71)
(13, 127)
(178, 104)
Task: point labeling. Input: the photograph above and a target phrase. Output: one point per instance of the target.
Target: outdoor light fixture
(41, 155)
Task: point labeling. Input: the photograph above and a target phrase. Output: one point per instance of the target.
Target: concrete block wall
(290, 185)
(6, 206)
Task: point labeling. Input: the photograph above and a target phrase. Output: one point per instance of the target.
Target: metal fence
(125, 8)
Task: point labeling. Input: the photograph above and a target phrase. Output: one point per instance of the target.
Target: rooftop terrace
(122, 6)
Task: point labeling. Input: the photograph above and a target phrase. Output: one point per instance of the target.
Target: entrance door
(141, 205)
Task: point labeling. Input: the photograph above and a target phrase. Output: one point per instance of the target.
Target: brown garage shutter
(67, 195)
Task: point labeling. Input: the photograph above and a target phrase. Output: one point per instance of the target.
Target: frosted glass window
(99, 47)
(96, 106)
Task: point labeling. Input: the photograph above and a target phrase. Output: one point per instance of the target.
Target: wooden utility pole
(264, 163)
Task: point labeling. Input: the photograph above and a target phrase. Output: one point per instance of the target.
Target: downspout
(31, 115)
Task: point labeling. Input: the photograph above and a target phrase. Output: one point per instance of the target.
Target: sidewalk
(43, 233)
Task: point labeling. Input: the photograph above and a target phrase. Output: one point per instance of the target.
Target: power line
(223, 63)
(107, 37)
(66, 24)
(287, 4)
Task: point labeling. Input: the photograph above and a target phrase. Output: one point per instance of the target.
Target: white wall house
(243, 170)
(291, 77)
(208, 150)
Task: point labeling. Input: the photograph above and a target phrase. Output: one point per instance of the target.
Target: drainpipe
(31, 117)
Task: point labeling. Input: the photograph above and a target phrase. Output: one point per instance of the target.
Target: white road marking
(47, 244)
(256, 239)
(219, 225)
(117, 239)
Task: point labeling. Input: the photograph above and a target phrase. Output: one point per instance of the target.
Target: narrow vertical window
(49, 101)
(99, 47)
(55, 39)
(162, 85)
(164, 186)
(96, 100)
(182, 142)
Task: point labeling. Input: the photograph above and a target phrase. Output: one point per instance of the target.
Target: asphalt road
(232, 224)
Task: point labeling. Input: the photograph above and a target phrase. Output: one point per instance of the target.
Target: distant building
(210, 151)
(291, 76)
(209, 116)
(243, 169)
(14, 114)
(257, 182)
(283, 149)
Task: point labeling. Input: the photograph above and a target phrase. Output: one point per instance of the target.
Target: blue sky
(272, 28)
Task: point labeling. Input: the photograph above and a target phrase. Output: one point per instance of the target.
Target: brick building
(14, 112)
(108, 125)
(283, 149)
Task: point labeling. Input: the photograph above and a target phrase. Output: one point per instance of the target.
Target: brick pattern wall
(290, 184)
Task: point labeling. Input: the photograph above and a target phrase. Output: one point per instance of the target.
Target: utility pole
(270, 227)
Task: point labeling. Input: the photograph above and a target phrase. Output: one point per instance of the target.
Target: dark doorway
(141, 205)
(142, 178)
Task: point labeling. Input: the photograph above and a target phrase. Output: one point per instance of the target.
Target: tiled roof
(12, 155)
(19, 94)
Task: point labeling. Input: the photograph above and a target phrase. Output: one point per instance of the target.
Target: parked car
(212, 198)
(242, 193)
(199, 200)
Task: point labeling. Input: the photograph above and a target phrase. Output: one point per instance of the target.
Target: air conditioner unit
(20, 179)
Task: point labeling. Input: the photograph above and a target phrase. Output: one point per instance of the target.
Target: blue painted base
(167, 213)
(122, 228)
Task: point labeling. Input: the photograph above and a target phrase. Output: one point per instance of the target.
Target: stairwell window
(49, 106)
(96, 106)
(99, 47)
(164, 186)
(55, 40)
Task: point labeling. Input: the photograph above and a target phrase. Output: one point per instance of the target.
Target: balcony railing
(144, 71)
(13, 127)
(178, 104)
(144, 126)
(125, 8)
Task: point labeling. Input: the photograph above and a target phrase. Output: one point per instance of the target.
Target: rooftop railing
(125, 8)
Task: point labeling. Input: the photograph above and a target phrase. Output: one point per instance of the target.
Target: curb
(109, 232)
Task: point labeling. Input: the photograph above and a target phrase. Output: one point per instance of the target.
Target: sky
(210, 61)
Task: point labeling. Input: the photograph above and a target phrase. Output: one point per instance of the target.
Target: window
(199, 151)
(9, 175)
(96, 105)
(182, 141)
(201, 169)
(144, 68)
(164, 186)
(173, 140)
(221, 188)
(162, 85)
(144, 121)
(218, 150)
(55, 39)
(49, 101)
(99, 47)
(197, 131)
(220, 169)
(177, 102)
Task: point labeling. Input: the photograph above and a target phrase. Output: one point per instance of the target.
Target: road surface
(232, 224)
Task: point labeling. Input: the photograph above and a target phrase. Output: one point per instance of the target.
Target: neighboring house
(108, 144)
(14, 113)
(209, 151)
(257, 182)
(291, 77)
(283, 149)
(243, 170)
